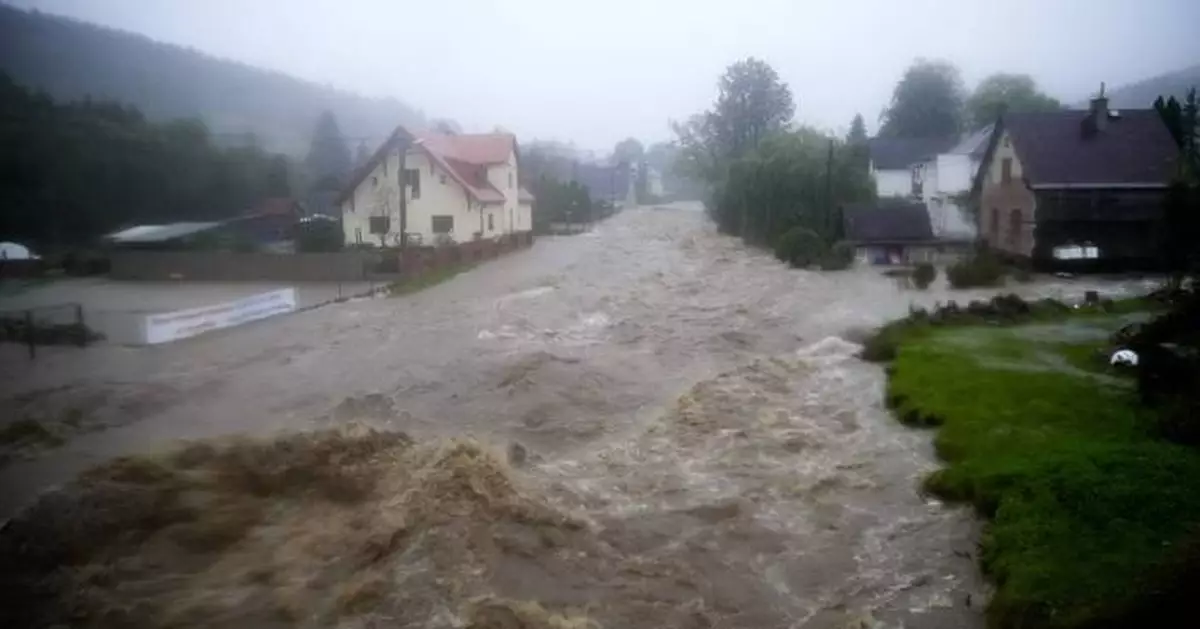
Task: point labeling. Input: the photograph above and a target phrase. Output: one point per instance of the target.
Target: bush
(800, 247)
(318, 236)
(982, 269)
(839, 257)
(924, 275)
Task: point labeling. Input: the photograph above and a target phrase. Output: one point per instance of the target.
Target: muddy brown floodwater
(691, 396)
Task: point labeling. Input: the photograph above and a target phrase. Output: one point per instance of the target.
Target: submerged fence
(58, 324)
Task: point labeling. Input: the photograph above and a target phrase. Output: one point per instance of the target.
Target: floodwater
(696, 401)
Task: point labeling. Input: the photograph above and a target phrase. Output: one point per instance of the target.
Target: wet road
(690, 396)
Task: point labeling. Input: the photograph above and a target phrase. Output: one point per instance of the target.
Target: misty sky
(595, 72)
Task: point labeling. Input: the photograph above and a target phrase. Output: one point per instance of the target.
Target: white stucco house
(937, 172)
(457, 187)
(944, 179)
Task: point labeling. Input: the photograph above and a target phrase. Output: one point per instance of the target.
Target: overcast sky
(595, 72)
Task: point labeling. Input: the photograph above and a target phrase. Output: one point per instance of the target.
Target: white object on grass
(1126, 357)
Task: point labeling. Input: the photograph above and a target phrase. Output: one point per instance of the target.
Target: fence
(342, 266)
(60, 324)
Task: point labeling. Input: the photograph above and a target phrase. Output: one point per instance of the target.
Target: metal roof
(158, 233)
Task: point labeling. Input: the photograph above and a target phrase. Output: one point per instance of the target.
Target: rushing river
(693, 398)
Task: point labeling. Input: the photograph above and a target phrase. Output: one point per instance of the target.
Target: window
(509, 180)
(1006, 170)
(358, 235)
(443, 224)
(491, 222)
(352, 203)
(374, 182)
(379, 224)
(412, 177)
(994, 232)
(1014, 227)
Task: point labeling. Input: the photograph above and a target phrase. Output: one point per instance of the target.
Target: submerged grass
(428, 279)
(1089, 510)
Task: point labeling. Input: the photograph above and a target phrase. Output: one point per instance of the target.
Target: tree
(328, 158)
(927, 102)
(858, 143)
(75, 171)
(796, 179)
(628, 151)
(752, 103)
(1000, 93)
(361, 154)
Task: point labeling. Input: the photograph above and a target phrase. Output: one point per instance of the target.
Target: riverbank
(1091, 514)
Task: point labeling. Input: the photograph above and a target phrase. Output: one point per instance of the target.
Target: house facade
(1057, 186)
(944, 182)
(456, 188)
(893, 161)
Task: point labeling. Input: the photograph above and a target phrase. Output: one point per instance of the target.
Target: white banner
(181, 324)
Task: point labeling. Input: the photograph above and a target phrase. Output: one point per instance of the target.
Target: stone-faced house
(1068, 184)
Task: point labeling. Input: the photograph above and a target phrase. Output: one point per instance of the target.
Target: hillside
(1142, 94)
(71, 60)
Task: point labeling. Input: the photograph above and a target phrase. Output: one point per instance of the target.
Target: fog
(593, 73)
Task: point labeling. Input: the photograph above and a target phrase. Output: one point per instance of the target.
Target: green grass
(28, 432)
(1087, 506)
(425, 280)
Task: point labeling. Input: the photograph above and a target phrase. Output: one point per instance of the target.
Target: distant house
(609, 183)
(1071, 184)
(943, 182)
(895, 231)
(892, 161)
(457, 188)
(270, 221)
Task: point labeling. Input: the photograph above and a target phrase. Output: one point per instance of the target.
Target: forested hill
(71, 60)
(1142, 94)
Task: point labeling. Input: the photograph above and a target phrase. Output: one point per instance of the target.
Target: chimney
(1098, 113)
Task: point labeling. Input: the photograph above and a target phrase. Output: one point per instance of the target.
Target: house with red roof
(427, 188)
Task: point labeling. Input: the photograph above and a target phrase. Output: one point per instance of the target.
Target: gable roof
(975, 144)
(900, 153)
(887, 221)
(1134, 148)
(465, 157)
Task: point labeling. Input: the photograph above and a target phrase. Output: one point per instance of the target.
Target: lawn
(1089, 510)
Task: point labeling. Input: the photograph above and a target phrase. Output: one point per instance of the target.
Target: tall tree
(927, 102)
(1000, 93)
(361, 154)
(858, 144)
(752, 103)
(328, 158)
(628, 151)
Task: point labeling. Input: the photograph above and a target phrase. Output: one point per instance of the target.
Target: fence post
(29, 334)
(81, 326)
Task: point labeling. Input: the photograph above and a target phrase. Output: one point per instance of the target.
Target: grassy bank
(1090, 512)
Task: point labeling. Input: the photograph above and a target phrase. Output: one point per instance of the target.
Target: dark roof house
(1050, 181)
(900, 153)
(887, 221)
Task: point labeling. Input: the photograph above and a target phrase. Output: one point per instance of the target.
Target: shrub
(839, 257)
(800, 247)
(318, 236)
(924, 275)
(982, 269)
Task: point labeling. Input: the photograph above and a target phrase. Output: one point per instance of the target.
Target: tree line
(930, 100)
(74, 171)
